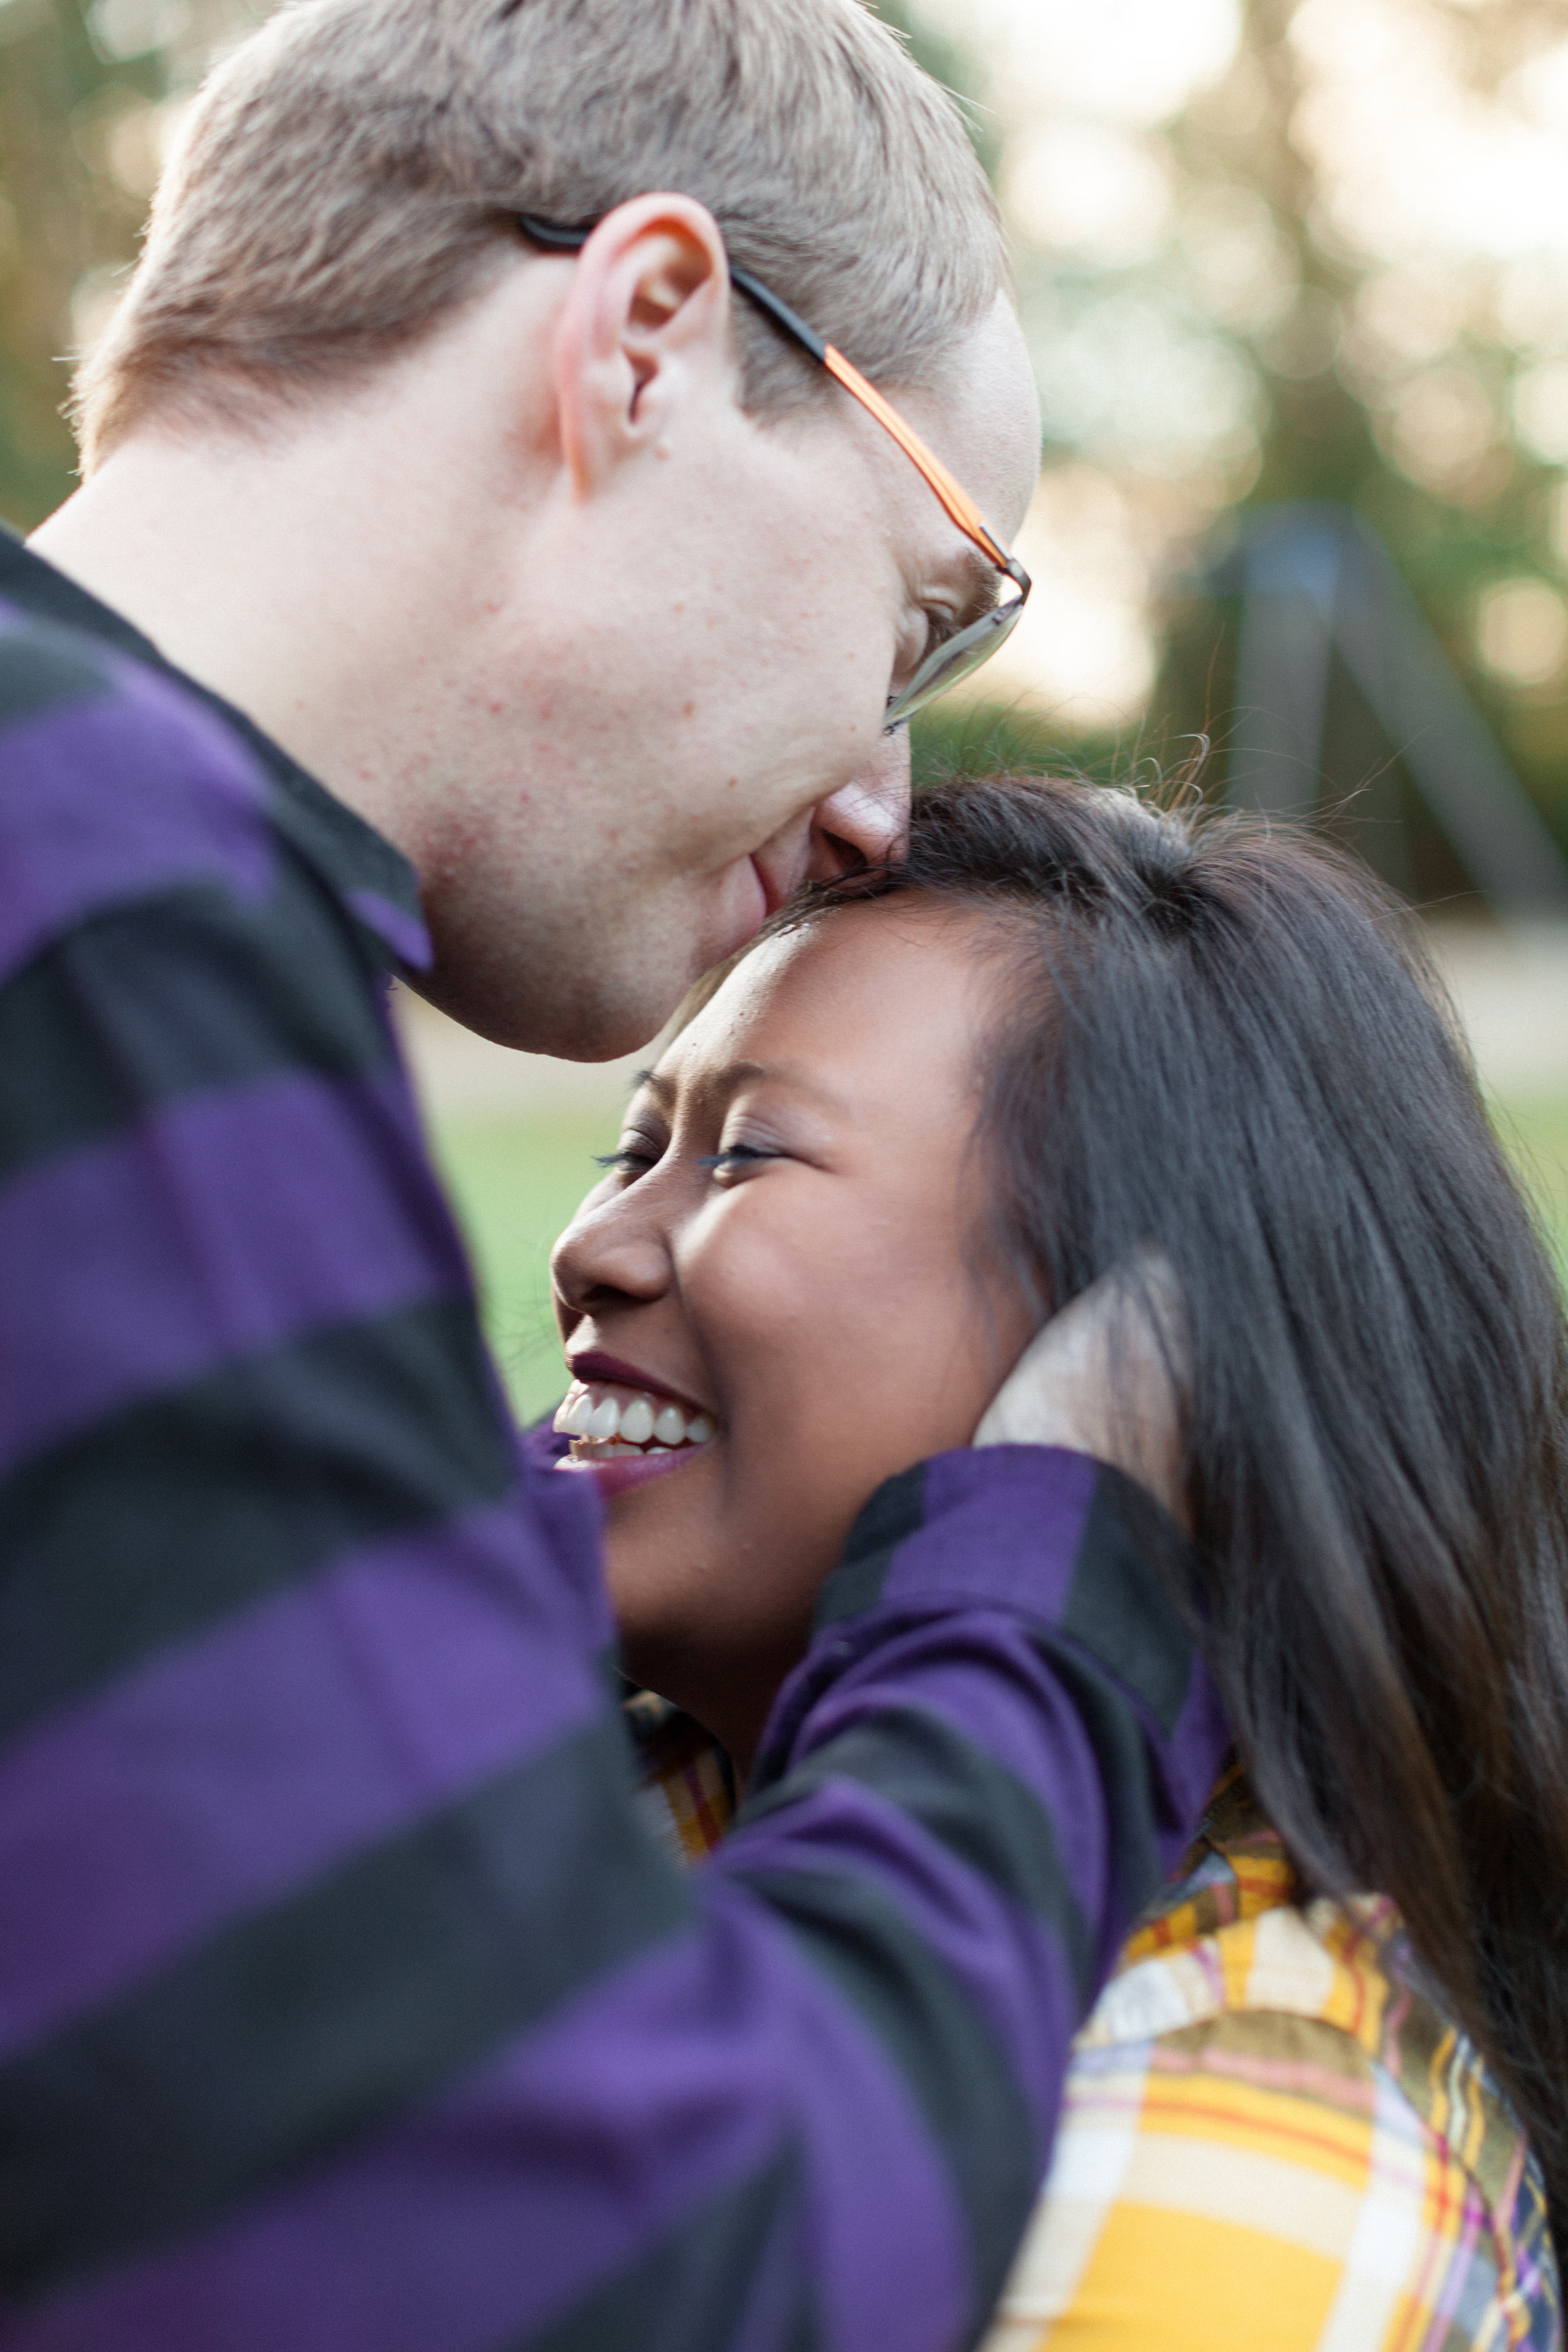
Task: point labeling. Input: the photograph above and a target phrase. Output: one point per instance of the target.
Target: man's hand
(1105, 1378)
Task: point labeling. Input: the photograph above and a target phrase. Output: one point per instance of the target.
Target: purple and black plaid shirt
(346, 2005)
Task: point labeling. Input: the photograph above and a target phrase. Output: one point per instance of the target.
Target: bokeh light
(1129, 61)
(1521, 631)
(1208, 217)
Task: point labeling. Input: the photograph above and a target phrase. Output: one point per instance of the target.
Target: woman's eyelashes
(636, 1154)
(632, 1158)
(736, 1157)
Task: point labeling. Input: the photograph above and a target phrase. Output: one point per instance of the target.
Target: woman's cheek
(760, 1303)
(815, 1308)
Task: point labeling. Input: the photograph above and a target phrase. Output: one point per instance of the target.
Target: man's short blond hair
(354, 170)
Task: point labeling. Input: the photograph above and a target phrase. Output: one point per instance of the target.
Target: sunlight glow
(1130, 62)
(1419, 164)
(1521, 631)
(1160, 293)
(1540, 411)
(1439, 426)
(1125, 376)
(1087, 189)
(1084, 652)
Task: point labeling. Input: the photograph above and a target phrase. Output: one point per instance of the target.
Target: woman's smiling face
(788, 1256)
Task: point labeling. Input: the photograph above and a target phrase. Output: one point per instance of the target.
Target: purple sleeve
(345, 2004)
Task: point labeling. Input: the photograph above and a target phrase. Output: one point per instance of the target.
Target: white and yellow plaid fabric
(686, 1791)
(1271, 2140)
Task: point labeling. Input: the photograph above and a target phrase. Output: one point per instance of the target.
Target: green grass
(1536, 1133)
(516, 1182)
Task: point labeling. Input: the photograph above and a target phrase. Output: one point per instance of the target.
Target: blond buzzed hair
(356, 168)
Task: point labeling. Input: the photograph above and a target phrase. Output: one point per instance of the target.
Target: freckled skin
(830, 1307)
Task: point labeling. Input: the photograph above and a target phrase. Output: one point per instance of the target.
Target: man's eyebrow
(982, 589)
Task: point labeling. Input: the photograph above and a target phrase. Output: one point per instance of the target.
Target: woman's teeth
(629, 1420)
(637, 1422)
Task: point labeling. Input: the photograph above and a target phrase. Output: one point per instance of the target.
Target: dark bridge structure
(1316, 589)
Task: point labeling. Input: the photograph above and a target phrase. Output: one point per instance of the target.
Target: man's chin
(615, 1007)
(530, 1017)
(716, 930)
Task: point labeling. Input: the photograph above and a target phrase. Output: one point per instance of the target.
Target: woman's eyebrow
(799, 1075)
(718, 1085)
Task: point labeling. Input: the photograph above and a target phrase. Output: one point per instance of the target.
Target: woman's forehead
(880, 983)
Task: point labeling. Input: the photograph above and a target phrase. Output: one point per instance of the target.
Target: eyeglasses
(957, 656)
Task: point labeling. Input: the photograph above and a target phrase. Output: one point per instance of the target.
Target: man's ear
(647, 319)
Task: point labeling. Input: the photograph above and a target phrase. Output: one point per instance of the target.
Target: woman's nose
(613, 1252)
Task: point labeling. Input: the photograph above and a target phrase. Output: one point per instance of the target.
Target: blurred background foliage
(1266, 249)
(1274, 250)
(91, 95)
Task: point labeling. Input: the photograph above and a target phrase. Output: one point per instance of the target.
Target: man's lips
(778, 880)
(747, 893)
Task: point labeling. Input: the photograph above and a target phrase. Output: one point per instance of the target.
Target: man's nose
(867, 821)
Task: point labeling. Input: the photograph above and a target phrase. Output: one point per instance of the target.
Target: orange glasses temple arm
(959, 506)
(561, 237)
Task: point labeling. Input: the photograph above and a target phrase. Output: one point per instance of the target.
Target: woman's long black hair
(1221, 1041)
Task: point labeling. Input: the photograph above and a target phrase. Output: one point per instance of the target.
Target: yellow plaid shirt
(686, 1790)
(1270, 2139)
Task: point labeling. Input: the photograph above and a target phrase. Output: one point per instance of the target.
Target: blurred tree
(79, 98)
(1271, 250)
(948, 62)
(1391, 384)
